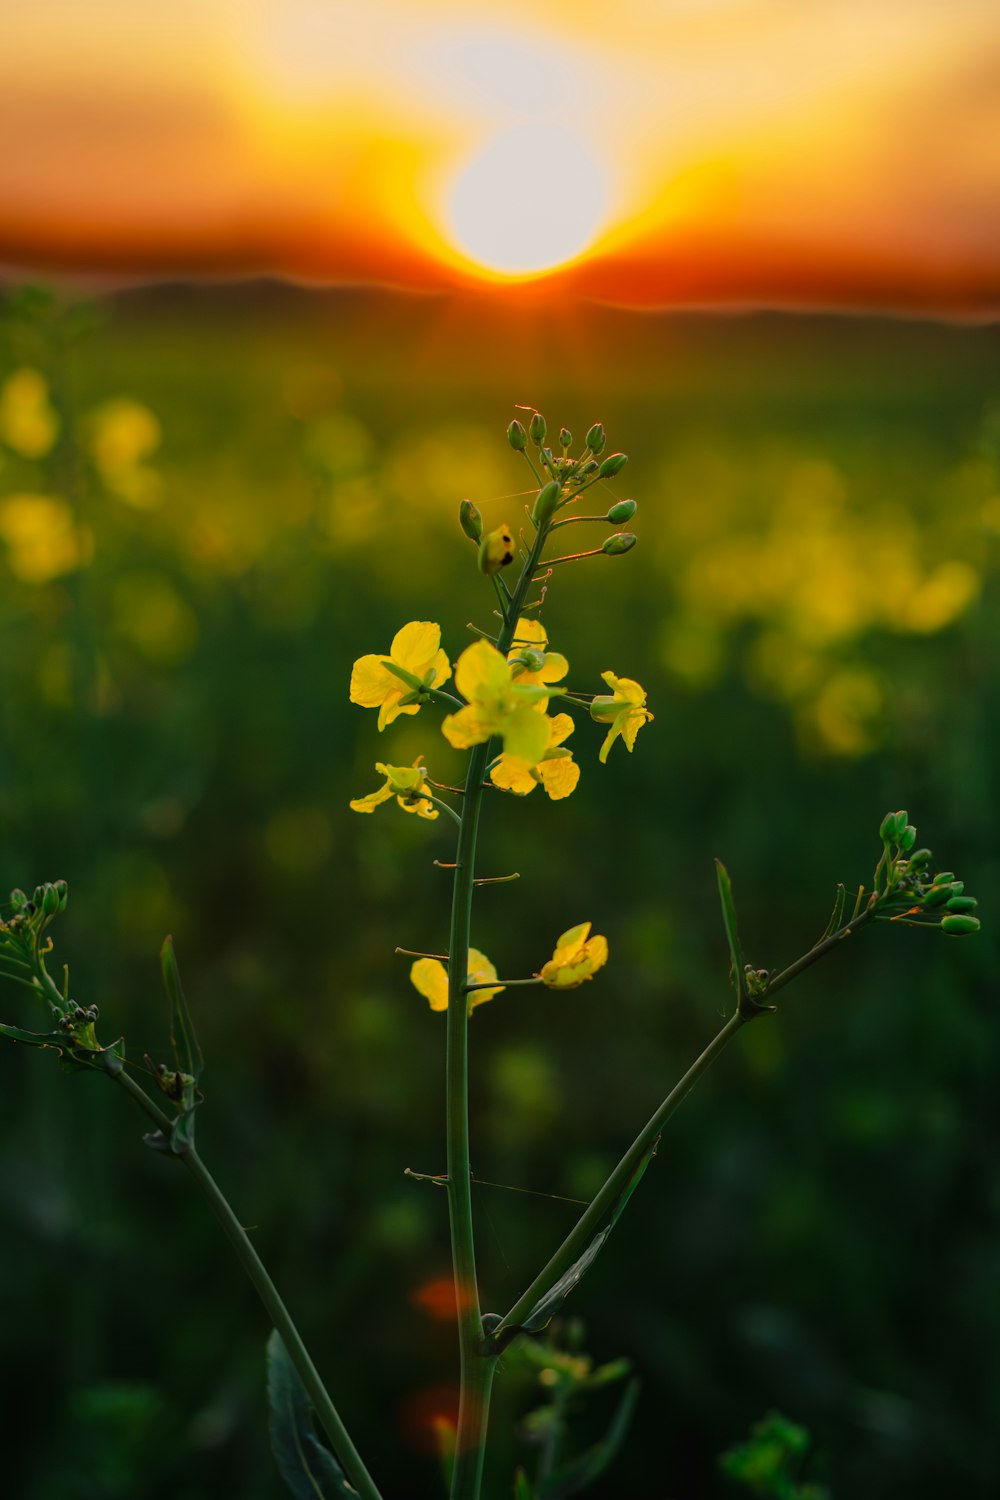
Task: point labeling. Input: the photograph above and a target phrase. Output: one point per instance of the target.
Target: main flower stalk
(476, 1372)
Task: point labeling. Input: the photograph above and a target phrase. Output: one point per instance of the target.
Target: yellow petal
(529, 633)
(561, 726)
(555, 668)
(371, 681)
(526, 735)
(632, 723)
(513, 775)
(415, 646)
(609, 740)
(481, 672)
(393, 705)
(572, 936)
(442, 668)
(625, 689)
(430, 978)
(559, 776)
(368, 804)
(470, 726)
(481, 971)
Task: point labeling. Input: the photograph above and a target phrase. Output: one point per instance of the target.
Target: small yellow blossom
(531, 634)
(626, 712)
(41, 538)
(557, 771)
(497, 704)
(28, 423)
(577, 957)
(408, 784)
(416, 652)
(430, 977)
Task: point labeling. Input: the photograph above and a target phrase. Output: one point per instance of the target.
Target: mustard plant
(508, 702)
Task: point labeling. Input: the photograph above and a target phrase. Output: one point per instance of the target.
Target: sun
(529, 201)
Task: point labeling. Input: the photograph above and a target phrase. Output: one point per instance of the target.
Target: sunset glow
(711, 151)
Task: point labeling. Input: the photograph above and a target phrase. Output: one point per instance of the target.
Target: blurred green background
(211, 502)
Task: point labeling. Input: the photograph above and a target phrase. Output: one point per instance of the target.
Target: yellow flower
(430, 977)
(28, 423)
(416, 654)
(408, 784)
(497, 704)
(626, 712)
(557, 771)
(532, 635)
(577, 957)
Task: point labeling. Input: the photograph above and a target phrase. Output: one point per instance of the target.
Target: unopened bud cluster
(911, 892)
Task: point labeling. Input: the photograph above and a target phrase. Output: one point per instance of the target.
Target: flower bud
(596, 438)
(612, 465)
(907, 838)
(50, 901)
(496, 550)
(892, 826)
(622, 541)
(919, 858)
(545, 504)
(962, 903)
(470, 520)
(939, 894)
(604, 709)
(530, 658)
(537, 429)
(958, 925)
(517, 437)
(590, 467)
(623, 511)
(565, 439)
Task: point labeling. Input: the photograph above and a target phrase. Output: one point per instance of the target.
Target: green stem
(607, 1197)
(476, 1372)
(491, 984)
(268, 1293)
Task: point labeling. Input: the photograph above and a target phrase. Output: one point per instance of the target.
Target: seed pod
(496, 550)
(612, 465)
(565, 439)
(623, 511)
(470, 520)
(596, 438)
(517, 437)
(962, 903)
(959, 925)
(546, 502)
(622, 541)
(537, 429)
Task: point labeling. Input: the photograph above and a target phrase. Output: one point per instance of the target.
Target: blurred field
(210, 503)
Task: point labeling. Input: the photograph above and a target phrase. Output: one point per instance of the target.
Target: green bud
(590, 467)
(517, 437)
(959, 925)
(962, 903)
(537, 429)
(604, 709)
(531, 658)
(892, 826)
(919, 858)
(939, 894)
(470, 520)
(622, 541)
(546, 502)
(623, 511)
(907, 838)
(596, 438)
(496, 550)
(50, 901)
(565, 439)
(612, 465)
(944, 877)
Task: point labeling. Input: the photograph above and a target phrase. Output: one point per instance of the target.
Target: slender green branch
(574, 520)
(438, 695)
(603, 1204)
(476, 1373)
(426, 797)
(820, 951)
(491, 984)
(550, 562)
(268, 1293)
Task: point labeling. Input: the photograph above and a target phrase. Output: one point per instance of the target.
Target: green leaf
(584, 1471)
(522, 1488)
(729, 922)
(307, 1467)
(182, 1035)
(548, 1305)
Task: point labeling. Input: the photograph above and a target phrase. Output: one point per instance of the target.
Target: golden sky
(663, 151)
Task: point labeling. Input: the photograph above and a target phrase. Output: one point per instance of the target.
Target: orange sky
(775, 152)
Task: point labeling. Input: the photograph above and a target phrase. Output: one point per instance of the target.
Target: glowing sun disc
(530, 200)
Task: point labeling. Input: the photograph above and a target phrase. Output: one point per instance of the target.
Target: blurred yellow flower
(42, 538)
(557, 771)
(626, 712)
(415, 653)
(121, 434)
(28, 423)
(531, 634)
(430, 977)
(497, 704)
(408, 784)
(577, 957)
